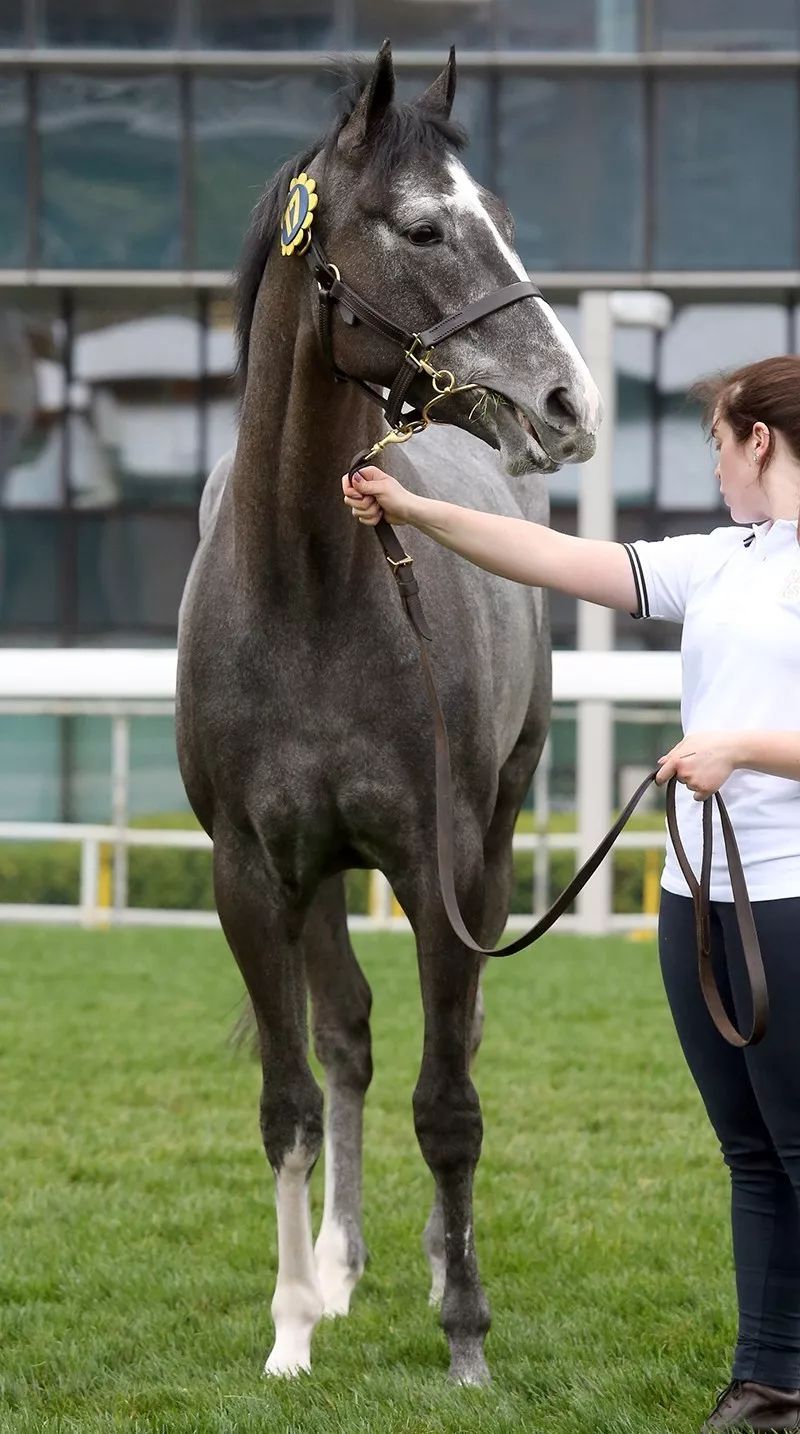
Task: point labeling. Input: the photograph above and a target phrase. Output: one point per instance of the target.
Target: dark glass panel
(726, 25)
(12, 23)
(130, 24)
(423, 24)
(31, 547)
(726, 166)
(138, 391)
(265, 24)
(606, 25)
(110, 172)
(13, 175)
(571, 170)
(244, 129)
(131, 570)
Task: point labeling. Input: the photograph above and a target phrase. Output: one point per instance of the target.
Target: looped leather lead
(445, 846)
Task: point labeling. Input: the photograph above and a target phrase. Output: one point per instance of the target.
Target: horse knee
(291, 1123)
(449, 1125)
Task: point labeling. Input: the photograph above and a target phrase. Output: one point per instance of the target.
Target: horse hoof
(469, 1367)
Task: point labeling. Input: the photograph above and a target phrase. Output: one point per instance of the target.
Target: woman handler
(736, 592)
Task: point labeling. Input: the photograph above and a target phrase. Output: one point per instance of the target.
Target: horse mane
(406, 130)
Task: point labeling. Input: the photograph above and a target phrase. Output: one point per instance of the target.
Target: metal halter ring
(443, 381)
(330, 269)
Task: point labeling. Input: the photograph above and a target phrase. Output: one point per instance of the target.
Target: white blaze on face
(466, 197)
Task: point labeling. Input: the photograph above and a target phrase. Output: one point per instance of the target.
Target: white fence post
(595, 745)
(90, 872)
(120, 781)
(541, 805)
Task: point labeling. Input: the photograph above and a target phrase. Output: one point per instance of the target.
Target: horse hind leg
(340, 1002)
(266, 945)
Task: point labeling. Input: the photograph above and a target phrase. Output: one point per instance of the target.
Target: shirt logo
(791, 588)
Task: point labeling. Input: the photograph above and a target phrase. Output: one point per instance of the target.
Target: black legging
(753, 1102)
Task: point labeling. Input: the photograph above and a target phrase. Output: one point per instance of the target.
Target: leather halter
(417, 347)
(417, 351)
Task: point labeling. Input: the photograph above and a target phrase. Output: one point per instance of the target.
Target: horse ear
(439, 96)
(374, 101)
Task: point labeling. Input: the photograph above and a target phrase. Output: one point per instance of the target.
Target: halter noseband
(417, 347)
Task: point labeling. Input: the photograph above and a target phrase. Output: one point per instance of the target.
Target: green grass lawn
(137, 1228)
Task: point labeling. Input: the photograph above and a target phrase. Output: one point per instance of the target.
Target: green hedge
(44, 872)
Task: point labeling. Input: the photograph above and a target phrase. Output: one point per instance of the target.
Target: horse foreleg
(447, 1112)
(433, 1234)
(265, 943)
(340, 1001)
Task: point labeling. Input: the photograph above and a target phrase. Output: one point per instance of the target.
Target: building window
(607, 25)
(13, 176)
(243, 131)
(265, 24)
(571, 170)
(423, 24)
(726, 25)
(726, 165)
(131, 568)
(31, 572)
(12, 23)
(110, 172)
(132, 24)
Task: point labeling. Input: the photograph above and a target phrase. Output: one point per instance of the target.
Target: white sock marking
(297, 1303)
(337, 1280)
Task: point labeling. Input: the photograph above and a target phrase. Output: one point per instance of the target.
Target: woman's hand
(702, 761)
(373, 495)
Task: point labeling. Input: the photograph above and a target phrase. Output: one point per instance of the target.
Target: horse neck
(298, 433)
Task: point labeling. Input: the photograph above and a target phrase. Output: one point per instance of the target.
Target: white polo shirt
(737, 592)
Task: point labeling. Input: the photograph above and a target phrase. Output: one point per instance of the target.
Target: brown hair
(766, 392)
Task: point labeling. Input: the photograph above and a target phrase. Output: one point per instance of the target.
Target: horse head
(411, 232)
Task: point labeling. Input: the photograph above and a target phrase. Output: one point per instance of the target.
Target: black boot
(745, 1405)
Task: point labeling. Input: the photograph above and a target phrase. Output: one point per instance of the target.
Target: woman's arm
(703, 761)
(513, 548)
(775, 753)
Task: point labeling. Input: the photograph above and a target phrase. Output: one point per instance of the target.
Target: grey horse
(304, 735)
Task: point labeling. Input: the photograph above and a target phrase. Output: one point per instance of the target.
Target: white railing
(122, 684)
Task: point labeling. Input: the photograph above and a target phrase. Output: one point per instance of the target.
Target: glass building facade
(649, 144)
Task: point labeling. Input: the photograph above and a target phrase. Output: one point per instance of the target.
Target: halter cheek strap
(417, 347)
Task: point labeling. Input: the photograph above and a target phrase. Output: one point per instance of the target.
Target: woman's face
(737, 472)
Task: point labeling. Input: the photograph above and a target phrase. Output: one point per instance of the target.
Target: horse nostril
(560, 411)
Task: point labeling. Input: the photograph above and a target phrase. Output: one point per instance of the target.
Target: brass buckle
(398, 562)
(443, 379)
(395, 435)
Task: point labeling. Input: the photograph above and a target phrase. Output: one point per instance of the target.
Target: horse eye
(423, 234)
